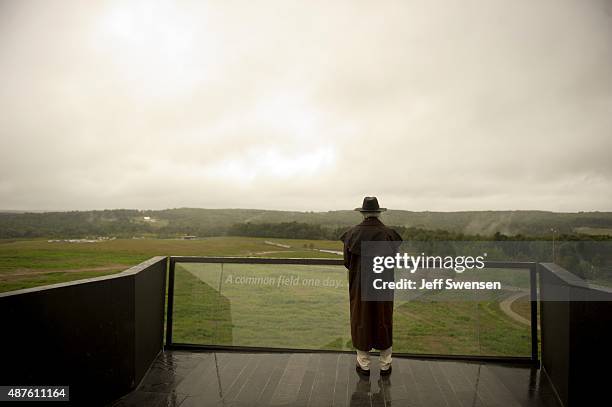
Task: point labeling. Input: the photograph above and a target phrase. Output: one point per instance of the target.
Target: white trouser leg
(363, 359)
(385, 359)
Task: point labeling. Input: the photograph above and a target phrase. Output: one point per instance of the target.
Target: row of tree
(128, 223)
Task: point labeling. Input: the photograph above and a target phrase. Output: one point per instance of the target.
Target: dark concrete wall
(576, 321)
(150, 294)
(554, 322)
(98, 335)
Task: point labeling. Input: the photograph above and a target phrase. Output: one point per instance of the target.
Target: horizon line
(24, 211)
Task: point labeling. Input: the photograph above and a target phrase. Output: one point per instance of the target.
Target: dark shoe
(385, 372)
(362, 371)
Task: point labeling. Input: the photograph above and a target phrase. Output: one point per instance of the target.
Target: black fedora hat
(370, 204)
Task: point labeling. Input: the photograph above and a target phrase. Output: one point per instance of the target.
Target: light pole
(553, 243)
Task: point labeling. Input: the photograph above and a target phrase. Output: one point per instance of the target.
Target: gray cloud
(437, 105)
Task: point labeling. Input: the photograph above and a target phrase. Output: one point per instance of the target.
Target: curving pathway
(506, 307)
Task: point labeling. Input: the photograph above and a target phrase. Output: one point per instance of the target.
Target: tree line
(174, 223)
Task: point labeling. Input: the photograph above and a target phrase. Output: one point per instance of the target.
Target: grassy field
(212, 308)
(31, 263)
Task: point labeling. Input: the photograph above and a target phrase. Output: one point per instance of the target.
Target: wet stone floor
(182, 378)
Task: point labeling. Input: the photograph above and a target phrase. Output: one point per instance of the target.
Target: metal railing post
(534, 313)
(170, 308)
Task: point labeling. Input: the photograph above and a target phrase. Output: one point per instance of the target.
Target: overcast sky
(306, 105)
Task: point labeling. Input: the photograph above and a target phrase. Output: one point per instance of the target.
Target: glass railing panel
(504, 316)
(201, 315)
(427, 325)
(466, 322)
(307, 307)
(261, 305)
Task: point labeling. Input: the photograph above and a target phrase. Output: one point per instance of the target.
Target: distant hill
(214, 222)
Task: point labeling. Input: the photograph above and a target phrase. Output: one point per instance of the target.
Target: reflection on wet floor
(179, 378)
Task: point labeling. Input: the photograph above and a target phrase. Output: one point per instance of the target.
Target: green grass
(460, 327)
(301, 316)
(50, 278)
(593, 231)
(31, 263)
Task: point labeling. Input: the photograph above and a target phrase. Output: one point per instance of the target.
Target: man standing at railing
(371, 321)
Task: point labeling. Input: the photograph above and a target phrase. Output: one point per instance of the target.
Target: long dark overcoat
(371, 321)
